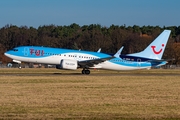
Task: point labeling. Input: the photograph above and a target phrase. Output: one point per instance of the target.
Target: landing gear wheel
(87, 72)
(83, 71)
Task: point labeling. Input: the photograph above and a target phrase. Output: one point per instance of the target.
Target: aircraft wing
(91, 63)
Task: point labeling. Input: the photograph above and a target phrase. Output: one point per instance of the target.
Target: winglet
(118, 52)
(99, 50)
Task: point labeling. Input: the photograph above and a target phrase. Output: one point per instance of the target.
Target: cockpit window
(15, 50)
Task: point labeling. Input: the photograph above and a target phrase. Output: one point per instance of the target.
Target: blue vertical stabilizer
(156, 49)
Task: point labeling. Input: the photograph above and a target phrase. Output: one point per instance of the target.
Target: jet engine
(67, 64)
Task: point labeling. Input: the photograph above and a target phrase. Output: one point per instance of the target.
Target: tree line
(89, 37)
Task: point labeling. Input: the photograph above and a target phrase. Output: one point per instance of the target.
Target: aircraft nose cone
(6, 54)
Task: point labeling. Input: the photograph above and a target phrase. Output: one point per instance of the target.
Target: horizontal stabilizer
(162, 60)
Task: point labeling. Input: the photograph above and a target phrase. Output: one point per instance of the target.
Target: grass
(142, 94)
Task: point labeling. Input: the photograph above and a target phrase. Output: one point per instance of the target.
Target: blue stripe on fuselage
(123, 62)
(136, 61)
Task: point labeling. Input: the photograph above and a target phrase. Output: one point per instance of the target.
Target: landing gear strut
(86, 71)
(19, 66)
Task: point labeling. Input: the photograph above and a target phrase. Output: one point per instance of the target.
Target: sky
(35, 13)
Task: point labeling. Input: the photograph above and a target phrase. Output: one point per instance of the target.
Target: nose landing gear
(20, 66)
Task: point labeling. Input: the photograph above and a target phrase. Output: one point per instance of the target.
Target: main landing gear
(86, 71)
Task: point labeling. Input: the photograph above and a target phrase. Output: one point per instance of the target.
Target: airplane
(73, 59)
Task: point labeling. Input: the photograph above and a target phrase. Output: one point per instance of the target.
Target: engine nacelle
(67, 64)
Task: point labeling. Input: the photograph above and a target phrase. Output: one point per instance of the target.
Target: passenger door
(26, 51)
(139, 62)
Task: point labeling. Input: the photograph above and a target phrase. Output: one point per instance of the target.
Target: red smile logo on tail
(157, 52)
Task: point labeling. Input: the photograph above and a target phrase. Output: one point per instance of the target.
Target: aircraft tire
(83, 72)
(87, 72)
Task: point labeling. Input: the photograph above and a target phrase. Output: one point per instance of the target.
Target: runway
(92, 74)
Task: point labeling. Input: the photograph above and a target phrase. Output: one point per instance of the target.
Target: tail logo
(157, 52)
